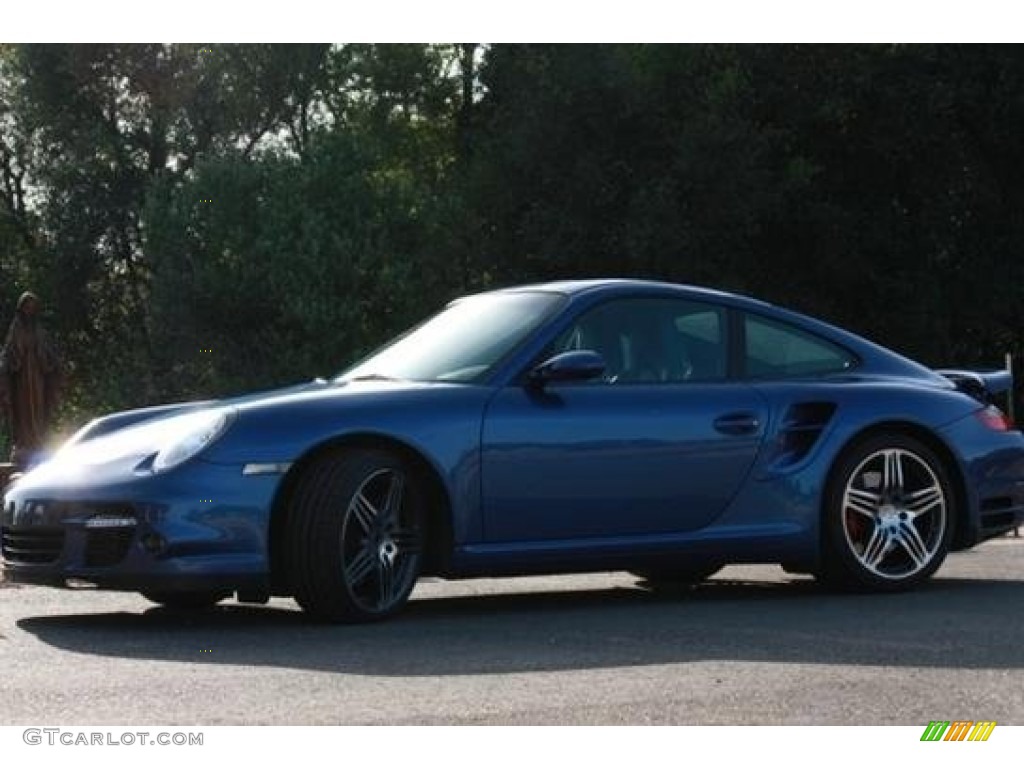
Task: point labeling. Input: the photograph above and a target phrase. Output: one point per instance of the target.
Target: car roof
(621, 285)
(877, 358)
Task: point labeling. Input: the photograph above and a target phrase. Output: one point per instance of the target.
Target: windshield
(461, 343)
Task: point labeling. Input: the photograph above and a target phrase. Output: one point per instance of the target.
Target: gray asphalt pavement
(754, 645)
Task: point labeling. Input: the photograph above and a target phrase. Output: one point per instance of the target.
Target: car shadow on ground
(952, 623)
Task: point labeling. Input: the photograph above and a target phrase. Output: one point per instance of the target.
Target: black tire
(677, 577)
(186, 601)
(353, 551)
(888, 517)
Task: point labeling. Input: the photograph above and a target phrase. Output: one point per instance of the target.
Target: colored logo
(958, 730)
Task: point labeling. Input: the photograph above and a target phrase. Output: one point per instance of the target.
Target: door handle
(738, 423)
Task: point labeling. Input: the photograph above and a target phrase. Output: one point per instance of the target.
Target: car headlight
(188, 436)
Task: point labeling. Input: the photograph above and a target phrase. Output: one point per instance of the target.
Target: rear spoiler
(981, 385)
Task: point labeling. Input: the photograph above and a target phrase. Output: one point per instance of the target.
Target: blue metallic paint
(583, 461)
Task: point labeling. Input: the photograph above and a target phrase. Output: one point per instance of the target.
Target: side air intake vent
(801, 427)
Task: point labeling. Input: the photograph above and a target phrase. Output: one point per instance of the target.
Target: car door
(659, 444)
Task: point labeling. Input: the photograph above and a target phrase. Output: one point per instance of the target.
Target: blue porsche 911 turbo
(574, 426)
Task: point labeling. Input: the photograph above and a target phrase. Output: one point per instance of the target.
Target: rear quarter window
(779, 350)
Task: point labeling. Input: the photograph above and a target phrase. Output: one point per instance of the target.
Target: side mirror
(577, 365)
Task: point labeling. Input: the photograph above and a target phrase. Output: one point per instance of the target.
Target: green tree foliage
(294, 264)
(284, 269)
(909, 217)
(289, 207)
(102, 126)
(872, 185)
(624, 160)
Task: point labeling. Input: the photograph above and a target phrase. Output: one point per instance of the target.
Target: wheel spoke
(386, 578)
(911, 541)
(919, 502)
(876, 548)
(393, 500)
(864, 502)
(364, 511)
(360, 567)
(407, 540)
(892, 478)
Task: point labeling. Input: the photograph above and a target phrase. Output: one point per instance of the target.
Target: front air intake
(31, 545)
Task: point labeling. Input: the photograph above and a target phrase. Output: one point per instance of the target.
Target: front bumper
(200, 527)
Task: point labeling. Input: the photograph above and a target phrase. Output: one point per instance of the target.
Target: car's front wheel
(888, 517)
(355, 534)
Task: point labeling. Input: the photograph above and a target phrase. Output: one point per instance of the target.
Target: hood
(315, 390)
(156, 439)
(121, 419)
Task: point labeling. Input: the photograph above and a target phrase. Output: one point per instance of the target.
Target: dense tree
(101, 126)
(872, 185)
(288, 207)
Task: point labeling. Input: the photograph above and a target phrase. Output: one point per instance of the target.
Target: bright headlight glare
(190, 435)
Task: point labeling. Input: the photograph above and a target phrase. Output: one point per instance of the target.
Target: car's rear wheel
(888, 518)
(355, 536)
(676, 577)
(186, 601)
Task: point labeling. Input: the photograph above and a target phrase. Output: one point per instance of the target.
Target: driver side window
(652, 341)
